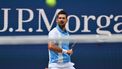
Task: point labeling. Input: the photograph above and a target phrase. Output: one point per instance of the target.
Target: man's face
(61, 20)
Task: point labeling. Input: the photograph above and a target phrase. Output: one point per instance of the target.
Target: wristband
(64, 51)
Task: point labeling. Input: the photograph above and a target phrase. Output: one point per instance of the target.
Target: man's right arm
(52, 44)
(54, 47)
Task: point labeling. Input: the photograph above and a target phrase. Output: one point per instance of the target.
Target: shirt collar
(60, 30)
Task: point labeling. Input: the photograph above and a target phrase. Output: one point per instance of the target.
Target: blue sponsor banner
(34, 17)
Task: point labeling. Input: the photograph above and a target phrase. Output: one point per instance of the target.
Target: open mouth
(62, 22)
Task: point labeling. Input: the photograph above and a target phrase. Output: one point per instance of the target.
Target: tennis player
(59, 52)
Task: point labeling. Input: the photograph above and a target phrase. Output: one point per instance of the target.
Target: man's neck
(62, 27)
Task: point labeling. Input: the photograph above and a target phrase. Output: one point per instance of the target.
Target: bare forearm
(54, 47)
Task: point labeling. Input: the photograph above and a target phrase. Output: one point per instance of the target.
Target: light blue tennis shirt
(55, 57)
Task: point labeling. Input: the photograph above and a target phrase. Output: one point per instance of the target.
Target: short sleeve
(52, 35)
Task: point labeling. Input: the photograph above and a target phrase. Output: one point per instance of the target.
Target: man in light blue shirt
(59, 52)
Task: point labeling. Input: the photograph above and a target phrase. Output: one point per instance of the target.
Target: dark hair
(62, 12)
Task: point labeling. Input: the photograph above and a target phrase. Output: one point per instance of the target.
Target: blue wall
(86, 56)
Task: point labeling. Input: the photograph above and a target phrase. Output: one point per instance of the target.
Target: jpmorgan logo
(20, 22)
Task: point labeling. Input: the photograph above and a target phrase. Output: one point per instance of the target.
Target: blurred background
(35, 56)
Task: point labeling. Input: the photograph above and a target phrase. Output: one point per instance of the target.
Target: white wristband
(64, 51)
